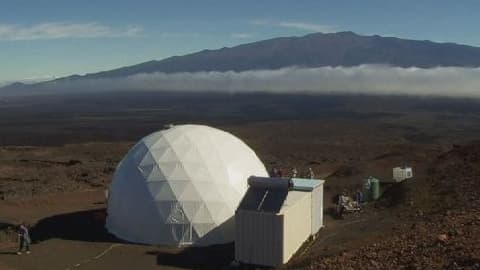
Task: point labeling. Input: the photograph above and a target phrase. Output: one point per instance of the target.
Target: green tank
(372, 188)
(375, 188)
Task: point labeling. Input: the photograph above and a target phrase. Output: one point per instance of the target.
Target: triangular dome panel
(161, 191)
(203, 216)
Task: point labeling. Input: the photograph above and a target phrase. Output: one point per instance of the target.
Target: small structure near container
(402, 173)
(275, 217)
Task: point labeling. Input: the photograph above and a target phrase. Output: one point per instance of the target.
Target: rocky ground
(27, 171)
(439, 223)
(429, 222)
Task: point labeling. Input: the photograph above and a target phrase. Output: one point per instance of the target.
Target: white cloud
(307, 26)
(179, 35)
(4, 83)
(296, 25)
(57, 30)
(365, 79)
(241, 35)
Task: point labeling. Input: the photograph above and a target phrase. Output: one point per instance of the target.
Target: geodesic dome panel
(181, 186)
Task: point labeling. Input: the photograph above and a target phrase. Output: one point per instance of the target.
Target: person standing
(280, 173)
(274, 172)
(294, 172)
(24, 239)
(310, 173)
(343, 201)
(359, 198)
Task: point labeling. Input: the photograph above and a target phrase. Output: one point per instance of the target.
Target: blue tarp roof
(306, 184)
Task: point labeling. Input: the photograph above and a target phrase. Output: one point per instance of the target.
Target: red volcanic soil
(414, 223)
(67, 233)
(429, 222)
(437, 224)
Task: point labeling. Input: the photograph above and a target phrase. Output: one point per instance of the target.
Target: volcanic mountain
(313, 50)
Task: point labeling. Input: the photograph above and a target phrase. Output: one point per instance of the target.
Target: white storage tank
(402, 173)
(275, 217)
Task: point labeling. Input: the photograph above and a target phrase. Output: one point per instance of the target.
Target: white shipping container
(272, 223)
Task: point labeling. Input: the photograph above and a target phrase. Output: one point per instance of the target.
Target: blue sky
(41, 38)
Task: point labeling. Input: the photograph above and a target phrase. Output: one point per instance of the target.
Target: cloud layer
(57, 30)
(241, 35)
(306, 26)
(366, 79)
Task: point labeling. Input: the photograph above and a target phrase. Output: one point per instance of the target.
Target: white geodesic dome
(181, 186)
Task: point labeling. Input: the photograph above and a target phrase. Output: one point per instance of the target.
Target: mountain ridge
(312, 50)
(344, 49)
